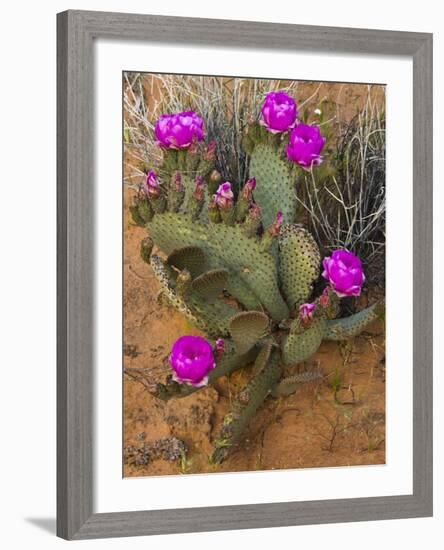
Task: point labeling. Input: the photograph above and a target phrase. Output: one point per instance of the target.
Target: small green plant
(186, 464)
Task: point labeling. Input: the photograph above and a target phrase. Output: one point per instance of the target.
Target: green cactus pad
(247, 328)
(262, 358)
(341, 329)
(189, 257)
(211, 283)
(299, 346)
(246, 404)
(291, 384)
(242, 292)
(275, 185)
(227, 247)
(211, 317)
(184, 283)
(299, 263)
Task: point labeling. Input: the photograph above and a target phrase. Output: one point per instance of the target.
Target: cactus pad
(247, 403)
(299, 262)
(212, 317)
(210, 284)
(275, 184)
(225, 246)
(247, 328)
(291, 384)
(262, 357)
(191, 258)
(341, 329)
(299, 346)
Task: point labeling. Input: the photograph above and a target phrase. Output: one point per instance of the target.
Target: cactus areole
(248, 246)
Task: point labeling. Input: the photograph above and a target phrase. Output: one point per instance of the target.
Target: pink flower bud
(249, 187)
(255, 211)
(276, 227)
(151, 185)
(324, 298)
(193, 149)
(224, 195)
(199, 190)
(210, 153)
(178, 182)
(220, 347)
(306, 312)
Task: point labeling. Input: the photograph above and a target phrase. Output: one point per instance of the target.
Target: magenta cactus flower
(224, 195)
(344, 272)
(179, 130)
(306, 144)
(306, 312)
(279, 112)
(192, 359)
(152, 185)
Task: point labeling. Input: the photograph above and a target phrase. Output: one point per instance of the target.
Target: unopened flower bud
(276, 227)
(178, 185)
(199, 190)
(324, 298)
(224, 196)
(210, 153)
(220, 347)
(306, 312)
(249, 187)
(255, 211)
(151, 185)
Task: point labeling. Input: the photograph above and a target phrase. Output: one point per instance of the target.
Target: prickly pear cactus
(241, 269)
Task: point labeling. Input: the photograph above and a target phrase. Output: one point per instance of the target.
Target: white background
(28, 271)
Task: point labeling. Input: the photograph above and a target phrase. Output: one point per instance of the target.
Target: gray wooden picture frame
(76, 32)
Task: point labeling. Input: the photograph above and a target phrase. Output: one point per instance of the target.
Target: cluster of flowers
(279, 114)
(192, 357)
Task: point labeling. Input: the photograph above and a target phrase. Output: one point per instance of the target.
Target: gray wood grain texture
(76, 32)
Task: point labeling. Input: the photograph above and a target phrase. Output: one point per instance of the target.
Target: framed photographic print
(244, 275)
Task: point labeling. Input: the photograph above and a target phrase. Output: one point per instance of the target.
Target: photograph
(253, 274)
